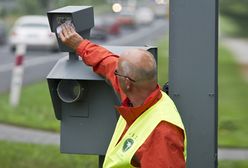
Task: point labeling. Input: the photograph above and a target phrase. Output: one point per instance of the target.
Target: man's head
(138, 72)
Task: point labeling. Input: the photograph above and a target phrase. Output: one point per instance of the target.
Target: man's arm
(103, 61)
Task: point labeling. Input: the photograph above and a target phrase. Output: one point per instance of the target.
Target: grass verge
(233, 26)
(233, 96)
(35, 109)
(229, 28)
(163, 56)
(22, 155)
(232, 164)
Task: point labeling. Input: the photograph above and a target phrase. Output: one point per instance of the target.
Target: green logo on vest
(127, 144)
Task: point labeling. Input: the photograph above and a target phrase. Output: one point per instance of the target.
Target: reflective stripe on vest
(120, 155)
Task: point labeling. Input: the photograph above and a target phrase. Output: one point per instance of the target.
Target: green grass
(163, 48)
(233, 27)
(22, 155)
(233, 106)
(232, 164)
(228, 27)
(35, 109)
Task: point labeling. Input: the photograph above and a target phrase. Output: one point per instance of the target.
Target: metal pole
(193, 50)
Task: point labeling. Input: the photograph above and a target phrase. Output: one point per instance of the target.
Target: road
(37, 64)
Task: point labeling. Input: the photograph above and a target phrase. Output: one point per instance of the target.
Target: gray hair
(141, 73)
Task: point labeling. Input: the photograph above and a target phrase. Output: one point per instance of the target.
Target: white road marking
(31, 62)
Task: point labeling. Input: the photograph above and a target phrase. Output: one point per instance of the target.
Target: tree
(236, 10)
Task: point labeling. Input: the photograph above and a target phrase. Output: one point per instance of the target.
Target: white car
(33, 31)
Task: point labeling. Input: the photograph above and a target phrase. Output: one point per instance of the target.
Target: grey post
(193, 75)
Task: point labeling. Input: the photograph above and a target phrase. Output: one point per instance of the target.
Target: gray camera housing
(88, 123)
(82, 18)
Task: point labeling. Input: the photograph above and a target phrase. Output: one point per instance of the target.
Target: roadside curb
(239, 49)
(27, 135)
(232, 154)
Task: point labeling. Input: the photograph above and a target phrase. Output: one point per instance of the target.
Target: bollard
(17, 75)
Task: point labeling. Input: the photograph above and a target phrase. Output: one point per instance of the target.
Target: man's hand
(70, 37)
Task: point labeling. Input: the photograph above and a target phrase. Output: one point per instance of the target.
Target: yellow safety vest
(120, 155)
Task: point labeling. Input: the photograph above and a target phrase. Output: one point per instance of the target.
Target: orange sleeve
(163, 148)
(102, 61)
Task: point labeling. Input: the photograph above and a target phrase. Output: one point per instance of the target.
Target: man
(149, 133)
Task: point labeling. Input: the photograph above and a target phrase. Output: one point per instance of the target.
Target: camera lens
(69, 91)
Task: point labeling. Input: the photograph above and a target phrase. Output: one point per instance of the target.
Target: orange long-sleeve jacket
(165, 145)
